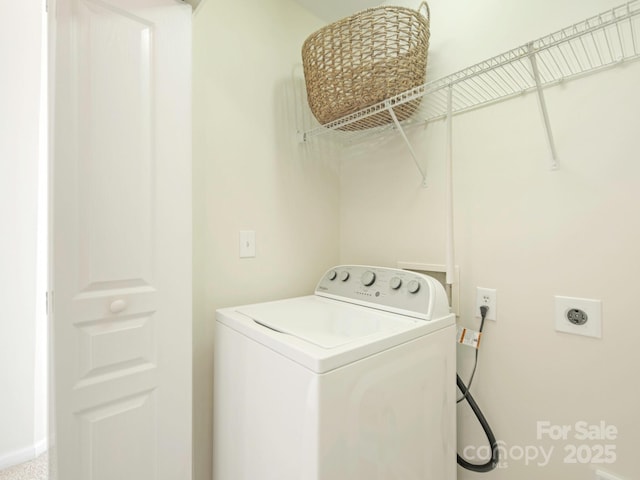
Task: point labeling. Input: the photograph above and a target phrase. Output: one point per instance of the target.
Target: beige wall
(520, 228)
(250, 174)
(527, 231)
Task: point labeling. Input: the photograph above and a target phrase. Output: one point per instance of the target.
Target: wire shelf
(596, 43)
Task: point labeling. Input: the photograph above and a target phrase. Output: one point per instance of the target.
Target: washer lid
(323, 334)
(333, 325)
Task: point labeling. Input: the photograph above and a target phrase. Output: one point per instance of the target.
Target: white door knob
(117, 306)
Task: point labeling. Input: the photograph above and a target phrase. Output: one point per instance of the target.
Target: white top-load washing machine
(355, 382)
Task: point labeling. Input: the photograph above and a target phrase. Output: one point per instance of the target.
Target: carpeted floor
(37, 469)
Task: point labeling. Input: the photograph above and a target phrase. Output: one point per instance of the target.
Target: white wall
(250, 174)
(20, 36)
(526, 231)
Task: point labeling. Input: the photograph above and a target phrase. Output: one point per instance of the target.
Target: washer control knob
(368, 278)
(395, 283)
(332, 275)
(344, 276)
(413, 286)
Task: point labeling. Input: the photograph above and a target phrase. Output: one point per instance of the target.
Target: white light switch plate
(247, 243)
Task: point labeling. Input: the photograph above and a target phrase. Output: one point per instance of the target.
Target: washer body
(355, 382)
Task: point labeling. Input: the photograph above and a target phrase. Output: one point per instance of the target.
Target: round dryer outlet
(577, 316)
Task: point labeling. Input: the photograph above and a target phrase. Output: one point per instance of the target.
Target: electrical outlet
(580, 316)
(487, 296)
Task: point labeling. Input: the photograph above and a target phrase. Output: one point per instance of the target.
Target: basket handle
(426, 7)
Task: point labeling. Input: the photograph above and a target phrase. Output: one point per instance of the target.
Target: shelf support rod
(543, 106)
(450, 260)
(406, 140)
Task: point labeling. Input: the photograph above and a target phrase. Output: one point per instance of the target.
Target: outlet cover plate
(592, 308)
(487, 296)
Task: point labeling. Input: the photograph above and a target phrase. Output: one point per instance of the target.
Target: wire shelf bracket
(597, 43)
(543, 107)
(406, 140)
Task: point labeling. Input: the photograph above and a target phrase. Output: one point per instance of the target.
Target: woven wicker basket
(364, 59)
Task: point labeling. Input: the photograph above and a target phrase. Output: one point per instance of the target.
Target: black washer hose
(495, 454)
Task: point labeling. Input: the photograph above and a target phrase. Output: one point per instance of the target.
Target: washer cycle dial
(395, 283)
(344, 276)
(368, 278)
(413, 286)
(332, 275)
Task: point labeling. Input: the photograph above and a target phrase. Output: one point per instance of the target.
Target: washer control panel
(394, 290)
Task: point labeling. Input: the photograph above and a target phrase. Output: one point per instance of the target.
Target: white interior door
(121, 238)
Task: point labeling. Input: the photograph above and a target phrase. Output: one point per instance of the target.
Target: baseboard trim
(601, 475)
(22, 455)
(41, 447)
